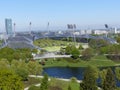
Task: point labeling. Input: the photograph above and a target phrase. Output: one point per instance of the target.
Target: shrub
(73, 79)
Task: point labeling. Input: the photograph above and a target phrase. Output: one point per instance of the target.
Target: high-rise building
(8, 26)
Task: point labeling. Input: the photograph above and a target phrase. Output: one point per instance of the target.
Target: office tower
(8, 26)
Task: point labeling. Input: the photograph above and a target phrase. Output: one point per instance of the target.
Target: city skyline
(83, 13)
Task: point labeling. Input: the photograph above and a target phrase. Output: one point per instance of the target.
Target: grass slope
(98, 61)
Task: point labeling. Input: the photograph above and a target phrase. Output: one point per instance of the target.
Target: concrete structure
(99, 32)
(82, 32)
(8, 27)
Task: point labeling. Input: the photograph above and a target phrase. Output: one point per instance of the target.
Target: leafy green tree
(44, 83)
(117, 72)
(22, 73)
(114, 49)
(75, 53)
(7, 53)
(72, 50)
(109, 82)
(80, 47)
(104, 50)
(114, 52)
(118, 39)
(17, 55)
(97, 43)
(34, 68)
(10, 81)
(68, 50)
(87, 54)
(34, 51)
(20, 68)
(4, 64)
(89, 79)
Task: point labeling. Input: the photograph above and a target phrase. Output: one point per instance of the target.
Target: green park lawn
(58, 83)
(31, 81)
(98, 61)
(49, 43)
(55, 45)
(64, 84)
(52, 48)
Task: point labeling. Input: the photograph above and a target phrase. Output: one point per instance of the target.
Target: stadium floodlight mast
(107, 27)
(14, 29)
(30, 25)
(73, 28)
(48, 29)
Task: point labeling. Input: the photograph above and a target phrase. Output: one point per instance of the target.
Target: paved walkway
(51, 56)
(56, 78)
(29, 87)
(79, 81)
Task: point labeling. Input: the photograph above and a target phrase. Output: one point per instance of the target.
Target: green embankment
(54, 45)
(98, 61)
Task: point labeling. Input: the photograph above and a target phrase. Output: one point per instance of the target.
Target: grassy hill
(54, 45)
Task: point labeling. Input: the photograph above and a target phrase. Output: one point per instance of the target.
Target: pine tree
(44, 83)
(89, 80)
(69, 88)
(109, 82)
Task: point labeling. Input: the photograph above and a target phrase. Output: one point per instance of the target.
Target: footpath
(34, 76)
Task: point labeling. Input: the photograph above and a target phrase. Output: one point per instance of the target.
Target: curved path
(51, 56)
(79, 81)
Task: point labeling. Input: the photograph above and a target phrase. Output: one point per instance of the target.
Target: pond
(67, 72)
(64, 72)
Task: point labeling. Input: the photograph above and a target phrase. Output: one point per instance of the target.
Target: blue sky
(83, 13)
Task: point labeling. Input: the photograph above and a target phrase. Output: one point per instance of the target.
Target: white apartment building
(99, 32)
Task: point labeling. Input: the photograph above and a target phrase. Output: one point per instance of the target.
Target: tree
(87, 54)
(22, 73)
(7, 53)
(102, 75)
(118, 39)
(75, 53)
(114, 52)
(89, 79)
(44, 83)
(97, 43)
(68, 50)
(69, 88)
(20, 68)
(34, 51)
(72, 50)
(34, 68)
(10, 81)
(117, 72)
(4, 64)
(109, 82)
(80, 47)
(104, 50)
